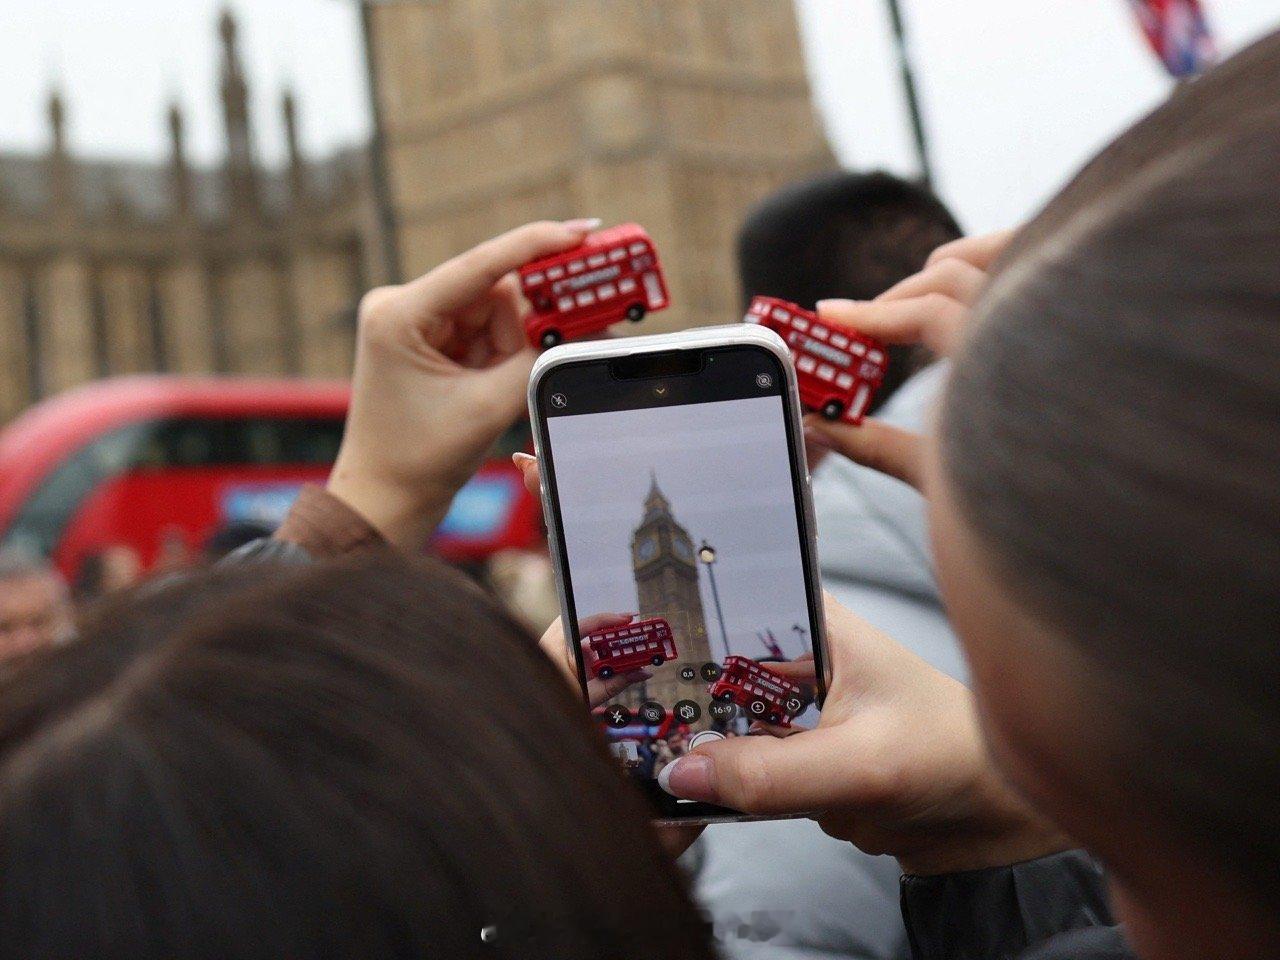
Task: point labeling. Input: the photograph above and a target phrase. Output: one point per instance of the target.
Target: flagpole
(909, 92)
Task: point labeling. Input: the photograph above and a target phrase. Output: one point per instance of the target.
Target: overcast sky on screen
(724, 468)
(1016, 92)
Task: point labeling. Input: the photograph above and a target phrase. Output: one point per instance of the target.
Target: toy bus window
(806, 364)
(607, 290)
(826, 372)
(819, 332)
(780, 314)
(596, 261)
(618, 253)
(844, 381)
(555, 273)
(858, 348)
(637, 248)
(801, 323)
(533, 279)
(627, 285)
(565, 303)
(875, 356)
(576, 266)
(839, 341)
(651, 288)
(585, 298)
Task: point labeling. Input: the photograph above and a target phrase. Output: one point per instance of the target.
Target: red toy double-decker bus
(758, 690)
(619, 649)
(838, 371)
(614, 275)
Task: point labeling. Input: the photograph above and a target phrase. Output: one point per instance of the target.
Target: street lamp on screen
(707, 554)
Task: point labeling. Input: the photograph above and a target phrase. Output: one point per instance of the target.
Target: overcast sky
(724, 468)
(1017, 93)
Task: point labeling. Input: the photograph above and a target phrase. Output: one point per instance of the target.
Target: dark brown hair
(357, 760)
(1112, 431)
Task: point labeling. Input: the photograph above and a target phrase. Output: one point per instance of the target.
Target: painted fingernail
(523, 460)
(583, 223)
(692, 777)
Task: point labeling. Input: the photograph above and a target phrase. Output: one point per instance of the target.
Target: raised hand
(932, 308)
(441, 368)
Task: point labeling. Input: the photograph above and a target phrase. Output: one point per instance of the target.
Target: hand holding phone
(897, 765)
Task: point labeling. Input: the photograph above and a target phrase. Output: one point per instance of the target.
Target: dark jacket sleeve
(319, 526)
(1054, 908)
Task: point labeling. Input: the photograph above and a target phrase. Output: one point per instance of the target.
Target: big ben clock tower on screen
(666, 575)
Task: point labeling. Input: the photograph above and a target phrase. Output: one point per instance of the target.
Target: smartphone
(681, 524)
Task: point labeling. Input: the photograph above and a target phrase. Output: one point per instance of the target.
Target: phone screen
(677, 503)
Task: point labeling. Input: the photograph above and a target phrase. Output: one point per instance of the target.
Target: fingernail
(692, 777)
(583, 224)
(822, 305)
(523, 460)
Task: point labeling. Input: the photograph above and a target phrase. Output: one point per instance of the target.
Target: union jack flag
(1179, 34)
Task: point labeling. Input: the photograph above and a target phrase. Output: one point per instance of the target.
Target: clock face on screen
(647, 548)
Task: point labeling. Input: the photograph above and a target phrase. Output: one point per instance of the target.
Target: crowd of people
(323, 746)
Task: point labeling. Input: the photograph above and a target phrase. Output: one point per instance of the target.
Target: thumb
(757, 774)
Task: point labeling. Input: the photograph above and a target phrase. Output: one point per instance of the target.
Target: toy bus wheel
(832, 409)
(635, 312)
(775, 717)
(604, 673)
(550, 339)
(657, 660)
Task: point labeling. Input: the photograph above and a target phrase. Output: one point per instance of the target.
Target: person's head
(1106, 511)
(358, 760)
(35, 608)
(850, 235)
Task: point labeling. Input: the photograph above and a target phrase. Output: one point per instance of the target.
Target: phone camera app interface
(685, 570)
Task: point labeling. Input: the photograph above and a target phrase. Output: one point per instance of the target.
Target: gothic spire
(656, 501)
(62, 186)
(179, 169)
(241, 166)
(297, 162)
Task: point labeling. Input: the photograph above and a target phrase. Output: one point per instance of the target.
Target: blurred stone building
(121, 267)
(678, 114)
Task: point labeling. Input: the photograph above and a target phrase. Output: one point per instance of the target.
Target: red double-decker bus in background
(838, 371)
(157, 464)
(644, 643)
(614, 275)
(759, 691)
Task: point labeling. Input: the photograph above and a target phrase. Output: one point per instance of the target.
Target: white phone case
(699, 338)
